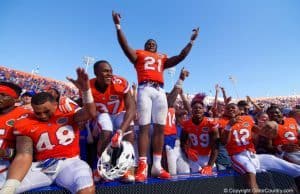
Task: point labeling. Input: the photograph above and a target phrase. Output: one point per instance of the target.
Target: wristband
(192, 42)
(10, 186)
(228, 128)
(179, 83)
(87, 96)
(118, 26)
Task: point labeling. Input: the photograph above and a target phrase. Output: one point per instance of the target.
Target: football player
(51, 138)
(175, 158)
(286, 144)
(115, 106)
(9, 113)
(151, 100)
(238, 138)
(200, 138)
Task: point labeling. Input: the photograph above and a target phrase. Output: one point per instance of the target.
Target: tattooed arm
(23, 159)
(19, 166)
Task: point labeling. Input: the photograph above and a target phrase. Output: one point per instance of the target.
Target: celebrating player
(237, 135)
(286, 143)
(115, 106)
(151, 100)
(51, 137)
(200, 138)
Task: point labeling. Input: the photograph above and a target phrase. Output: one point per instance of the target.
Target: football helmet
(115, 162)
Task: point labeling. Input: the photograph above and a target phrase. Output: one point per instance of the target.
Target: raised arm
(177, 89)
(172, 61)
(257, 108)
(88, 110)
(19, 166)
(215, 104)
(172, 96)
(226, 100)
(129, 52)
(186, 103)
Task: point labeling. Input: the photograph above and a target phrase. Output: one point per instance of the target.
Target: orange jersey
(287, 132)
(223, 121)
(240, 136)
(7, 122)
(56, 138)
(199, 135)
(112, 100)
(170, 127)
(150, 66)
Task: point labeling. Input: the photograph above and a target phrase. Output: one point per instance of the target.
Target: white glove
(10, 186)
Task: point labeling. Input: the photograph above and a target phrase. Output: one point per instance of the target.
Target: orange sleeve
(21, 127)
(121, 85)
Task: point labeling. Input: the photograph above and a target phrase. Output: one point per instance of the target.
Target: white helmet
(115, 162)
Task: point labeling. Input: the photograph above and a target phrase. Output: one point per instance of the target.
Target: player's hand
(82, 82)
(65, 104)
(116, 139)
(248, 99)
(10, 186)
(116, 17)
(184, 73)
(207, 170)
(228, 100)
(195, 34)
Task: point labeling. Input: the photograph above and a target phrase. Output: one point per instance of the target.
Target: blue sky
(255, 41)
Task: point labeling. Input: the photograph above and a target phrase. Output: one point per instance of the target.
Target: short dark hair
(259, 114)
(98, 63)
(273, 107)
(197, 102)
(13, 86)
(41, 98)
(198, 98)
(242, 103)
(150, 40)
(231, 104)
